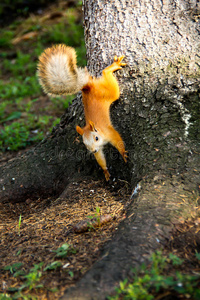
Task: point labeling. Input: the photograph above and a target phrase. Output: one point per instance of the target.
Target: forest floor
(47, 246)
(47, 224)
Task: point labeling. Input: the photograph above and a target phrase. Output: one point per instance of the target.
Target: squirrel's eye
(96, 138)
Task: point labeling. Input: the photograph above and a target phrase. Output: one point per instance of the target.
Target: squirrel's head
(92, 139)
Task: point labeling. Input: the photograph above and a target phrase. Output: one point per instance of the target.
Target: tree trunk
(157, 116)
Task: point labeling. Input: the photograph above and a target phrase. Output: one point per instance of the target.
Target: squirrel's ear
(79, 130)
(92, 127)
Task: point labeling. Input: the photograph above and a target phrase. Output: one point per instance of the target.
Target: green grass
(5, 38)
(149, 282)
(32, 280)
(22, 120)
(25, 132)
(19, 224)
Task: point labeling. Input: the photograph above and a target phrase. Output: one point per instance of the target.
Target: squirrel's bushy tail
(58, 73)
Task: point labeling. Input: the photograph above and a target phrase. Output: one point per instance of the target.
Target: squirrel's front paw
(118, 60)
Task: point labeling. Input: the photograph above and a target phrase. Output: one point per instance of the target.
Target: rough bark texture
(157, 116)
(160, 109)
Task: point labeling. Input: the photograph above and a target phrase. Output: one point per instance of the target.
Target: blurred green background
(27, 28)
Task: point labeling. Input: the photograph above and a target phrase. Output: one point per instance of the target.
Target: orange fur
(59, 75)
(98, 95)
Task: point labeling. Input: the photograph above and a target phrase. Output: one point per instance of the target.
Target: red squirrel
(58, 75)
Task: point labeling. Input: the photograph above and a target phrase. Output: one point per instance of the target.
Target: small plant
(64, 250)
(95, 218)
(158, 262)
(149, 281)
(19, 224)
(13, 268)
(5, 296)
(197, 255)
(71, 274)
(175, 260)
(53, 266)
(33, 277)
(98, 214)
(18, 252)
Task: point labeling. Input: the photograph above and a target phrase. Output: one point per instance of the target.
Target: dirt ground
(49, 223)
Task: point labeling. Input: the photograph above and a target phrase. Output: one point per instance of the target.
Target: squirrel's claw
(119, 59)
(107, 174)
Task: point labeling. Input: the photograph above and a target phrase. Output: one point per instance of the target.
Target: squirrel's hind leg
(116, 140)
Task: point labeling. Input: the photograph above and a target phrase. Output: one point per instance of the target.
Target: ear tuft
(79, 130)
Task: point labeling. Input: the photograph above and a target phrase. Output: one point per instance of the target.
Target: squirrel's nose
(95, 151)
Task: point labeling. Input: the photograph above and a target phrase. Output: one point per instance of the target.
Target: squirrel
(58, 75)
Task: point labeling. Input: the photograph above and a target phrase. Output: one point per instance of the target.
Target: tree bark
(157, 116)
